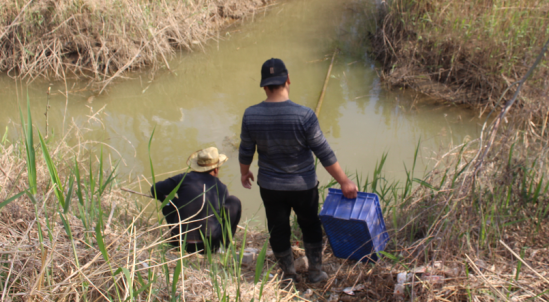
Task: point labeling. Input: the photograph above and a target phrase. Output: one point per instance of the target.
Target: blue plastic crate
(355, 227)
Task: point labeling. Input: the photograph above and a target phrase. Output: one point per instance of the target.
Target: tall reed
(120, 259)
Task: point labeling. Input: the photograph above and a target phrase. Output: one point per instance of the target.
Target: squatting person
(193, 211)
(286, 136)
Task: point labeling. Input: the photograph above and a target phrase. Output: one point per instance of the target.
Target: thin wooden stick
(135, 192)
(321, 98)
(477, 270)
(527, 265)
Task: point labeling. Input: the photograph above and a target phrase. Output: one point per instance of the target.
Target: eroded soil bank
(466, 52)
(101, 39)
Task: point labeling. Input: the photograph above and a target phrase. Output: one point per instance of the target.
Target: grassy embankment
(488, 198)
(69, 234)
(466, 51)
(101, 39)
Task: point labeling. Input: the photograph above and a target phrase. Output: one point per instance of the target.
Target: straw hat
(206, 160)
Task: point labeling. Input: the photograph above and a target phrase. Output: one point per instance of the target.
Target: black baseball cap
(273, 72)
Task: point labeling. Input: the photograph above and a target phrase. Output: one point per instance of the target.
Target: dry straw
(466, 52)
(74, 236)
(101, 39)
(460, 239)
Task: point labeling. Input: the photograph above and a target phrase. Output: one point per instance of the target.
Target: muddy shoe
(314, 255)
(286, 262)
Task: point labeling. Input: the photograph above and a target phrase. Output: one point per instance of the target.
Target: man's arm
(348, 187)
(246, 155)
(246, 175)
(320, 147)
(165, 187)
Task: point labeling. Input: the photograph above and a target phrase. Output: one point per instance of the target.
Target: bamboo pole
(321, 98)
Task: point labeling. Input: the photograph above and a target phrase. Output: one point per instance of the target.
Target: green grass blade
(260, 262)
(100, 172)
(109, 179)
(101, 242)
(424, 183)
(5, 137)
(176, 274)
(29, 148)
(129, 280)
(90, 193)
(69, 195)
(264, 281)
(31, 152)
(78, 182)
(58, 187)
(7, 201)
(171, 195)
(150, 160)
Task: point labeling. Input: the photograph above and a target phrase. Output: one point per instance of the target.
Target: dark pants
(279, 205)
(231, 215)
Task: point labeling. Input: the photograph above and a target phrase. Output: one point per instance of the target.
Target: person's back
(194, 215)
(191, 203)
(286, 135)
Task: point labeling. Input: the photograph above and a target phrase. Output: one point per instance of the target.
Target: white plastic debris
(351, 290)
(434, 274)
(248, 258)
(359, 287)
(433, 279)
(251, 250)
(400, 287)
(307, 294)
(333, 298)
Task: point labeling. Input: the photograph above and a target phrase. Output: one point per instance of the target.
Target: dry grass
(101, 39)
(466, 52)
(43, 259)
(460, 229)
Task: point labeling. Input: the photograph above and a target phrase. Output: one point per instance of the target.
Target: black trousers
(232, 213)
(279, 205)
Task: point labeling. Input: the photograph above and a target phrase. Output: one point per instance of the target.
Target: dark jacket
(189, 201)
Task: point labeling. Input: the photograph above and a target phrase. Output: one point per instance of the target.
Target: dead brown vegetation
(105, 246)
(461, 233)
(484, 208)
(101, 39)
(466, 52)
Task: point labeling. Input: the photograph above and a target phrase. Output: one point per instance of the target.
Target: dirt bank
(99, 39)
(485, 204)
(465, 52)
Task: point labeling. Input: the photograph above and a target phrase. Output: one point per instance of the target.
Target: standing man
(207, 216)
(286, 136)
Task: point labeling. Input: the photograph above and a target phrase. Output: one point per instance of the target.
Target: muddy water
(201, 101)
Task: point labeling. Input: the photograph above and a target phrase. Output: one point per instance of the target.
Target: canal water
(200, 102)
